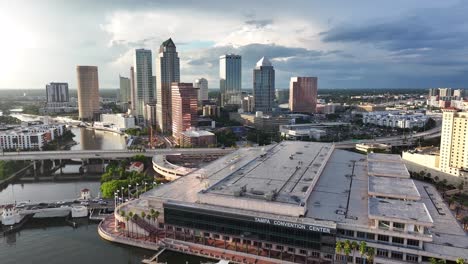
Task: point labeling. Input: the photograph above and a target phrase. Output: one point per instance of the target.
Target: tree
(465, 222)
(347, 249)
(460, 186)
(460, 261)
(370, 254)
(451, 201)
(363, 250)
(338, 247)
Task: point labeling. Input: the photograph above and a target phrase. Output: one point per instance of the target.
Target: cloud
(259, 23)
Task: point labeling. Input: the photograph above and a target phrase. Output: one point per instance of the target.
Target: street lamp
(145, 185)
(129, 186)
(122, 188)
(117, 193)
(136, 190)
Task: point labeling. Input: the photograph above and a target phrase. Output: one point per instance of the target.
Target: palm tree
(363, 250)
(370, 254)
(130, 216)
(465, 222)
(347, 249)
(354, 247)
(134, 217)
(460, 261)
(126, 225)
(338, 247)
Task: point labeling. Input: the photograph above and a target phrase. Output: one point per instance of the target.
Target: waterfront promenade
(107, 231)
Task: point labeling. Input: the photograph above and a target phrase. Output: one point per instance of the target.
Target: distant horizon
(350, 44)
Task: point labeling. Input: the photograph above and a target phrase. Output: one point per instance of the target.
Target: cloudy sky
(347, 44)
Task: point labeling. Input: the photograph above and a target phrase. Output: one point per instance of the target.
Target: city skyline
(405, 47)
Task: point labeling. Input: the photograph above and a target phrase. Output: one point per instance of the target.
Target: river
(50, 240)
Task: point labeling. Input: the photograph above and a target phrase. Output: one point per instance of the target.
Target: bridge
(105, 154)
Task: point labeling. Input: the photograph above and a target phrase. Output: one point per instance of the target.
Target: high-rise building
(184, 108)
(303, 94)
(88, 92)
(445, 92)
(202, 86)
(433, 92)
(144, 80)
(264, 86)
(167, 72)
(459, 93)
(132, 90)
(230, 79)
(57, 93)
(150, 114)
(454, 142)
(248, 104)
(282, 96)
(125, 89)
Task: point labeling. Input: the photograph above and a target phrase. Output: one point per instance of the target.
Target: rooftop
(263, 62)
(283, 174)
(387, 165)
(393, 188)
(387, 209)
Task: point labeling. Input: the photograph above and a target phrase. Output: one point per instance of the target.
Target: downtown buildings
(264, 86)
(88, 92)
(184, 108)
(202, 86)
(167, 72)
(143, 81)
(303, 94)
(124, 92)
(57, 93)
(454, 143)
(230, 79)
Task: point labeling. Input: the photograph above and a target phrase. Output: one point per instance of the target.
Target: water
(88, 139)
(46, 191)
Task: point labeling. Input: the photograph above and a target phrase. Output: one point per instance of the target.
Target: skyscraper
(202, 86)
(445, 92)
(433, 92)
(230, 79)
(125, 90)
(132, 90)
(57, 93)
(88, 92)
(303, 94)
(264, 86)
(454, 142)
(144, 80)
(167, 72)
(184, 108)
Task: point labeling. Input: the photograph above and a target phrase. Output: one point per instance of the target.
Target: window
(411, 258)
(303, 252)
(396, 255)
(370, 236)
(226, 238)
(398, 240)
(382, 252)
(290, 249)
(383, 238)
(267, 245)
(361, 234)
(279, 247)
(384, 224)
(349, 233)
(412, 243)
(178, 229)
(399, 226)
(206, 234)
(216, 236)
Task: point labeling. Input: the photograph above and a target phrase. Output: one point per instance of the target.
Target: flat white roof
(387, 209)
(393, 188)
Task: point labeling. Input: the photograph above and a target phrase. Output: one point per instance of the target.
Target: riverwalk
(108, 231)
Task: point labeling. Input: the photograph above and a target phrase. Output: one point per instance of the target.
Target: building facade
(454, 142)
(167, 72)
(264, 86)
(120, 121)
(230, 79)
(197, 138)
(88, 92)
(303, 94)
(202, 86)
(132, 90)
(57, 93)
(248, 104)
(124, 91)
(184, 108)
(144, 80)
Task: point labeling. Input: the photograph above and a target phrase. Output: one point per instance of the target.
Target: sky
(346, 44)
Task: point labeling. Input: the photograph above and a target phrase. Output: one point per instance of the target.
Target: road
(104, 154)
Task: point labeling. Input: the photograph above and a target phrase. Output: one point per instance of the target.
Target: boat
(53, 212)
(79, 211)
(10, 215)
